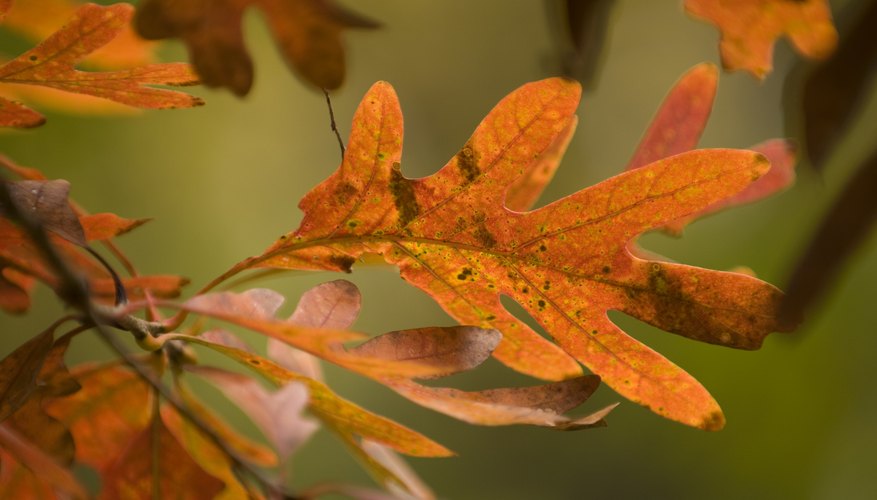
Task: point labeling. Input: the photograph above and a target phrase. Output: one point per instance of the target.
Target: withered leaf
(278, 413)
(834, 91)
(849, 220)
(448, 349)
(19, 370)
(334, 411)
(46, 201)
(308, 33)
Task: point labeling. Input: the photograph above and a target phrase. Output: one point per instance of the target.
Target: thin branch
(332, 122)
(75, 292)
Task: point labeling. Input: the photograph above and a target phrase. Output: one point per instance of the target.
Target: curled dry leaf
(52, 64)
(308, 33)
(19, 370)
(278, 413)
(566, 263)
(750, 28)
(46, 201)
(335, 412)
(447, 349)
(328, 305)
(540, 405)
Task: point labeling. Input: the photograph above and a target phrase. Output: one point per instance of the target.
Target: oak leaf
(308, 33)
(750, 27)
(566, 263)
(677, 127)
(52, 64)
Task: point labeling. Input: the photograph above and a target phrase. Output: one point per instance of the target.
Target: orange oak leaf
(155, 458)
(308, 33)
(51, 64)
(105, 226)
(205, 452)
(22, 262)
(750, 27)
(110, 410)
(566, 263)
(28, 472)
(38, 20)
(677, 127)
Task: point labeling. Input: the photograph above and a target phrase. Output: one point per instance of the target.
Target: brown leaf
(51, 64)
(448, 349)
(328, 305)
(541, 405)
(842, 230)
(834, 91)
(46, 201)
(19, 370)
(308, 33)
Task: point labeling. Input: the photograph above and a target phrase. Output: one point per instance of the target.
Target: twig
(332, 122)
(74, 291)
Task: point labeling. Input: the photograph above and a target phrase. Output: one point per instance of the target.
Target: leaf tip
(714, 421)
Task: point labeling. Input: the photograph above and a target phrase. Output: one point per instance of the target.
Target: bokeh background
(222, 182)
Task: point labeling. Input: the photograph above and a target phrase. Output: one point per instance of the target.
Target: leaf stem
(333, 124)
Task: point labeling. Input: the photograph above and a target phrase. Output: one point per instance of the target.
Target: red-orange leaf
(677, 127)
(307, 31)
(680, 120)
(155, 458)
(105, 226)
(51, 64)
(567, 263)
(28, 472)
(19, 370)
(750, 28)
(111, 409)
(38, 20)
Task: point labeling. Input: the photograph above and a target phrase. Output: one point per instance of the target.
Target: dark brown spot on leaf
(344, 262)
(403, 197)
(467, 162)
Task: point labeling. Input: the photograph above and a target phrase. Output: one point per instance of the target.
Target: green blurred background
(222, 182)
